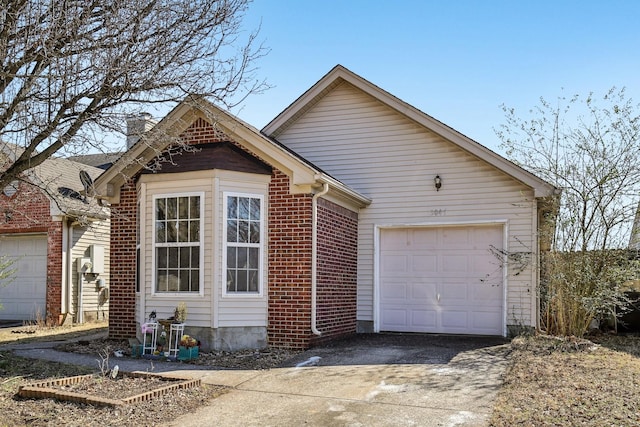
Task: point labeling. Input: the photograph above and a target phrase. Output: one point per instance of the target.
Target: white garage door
(441, 280)
(24, 298)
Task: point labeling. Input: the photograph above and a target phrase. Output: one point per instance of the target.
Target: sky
(456, 60)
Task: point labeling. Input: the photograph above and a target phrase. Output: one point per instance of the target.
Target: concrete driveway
(368, 380)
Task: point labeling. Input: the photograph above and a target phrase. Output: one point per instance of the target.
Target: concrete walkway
(369, 380)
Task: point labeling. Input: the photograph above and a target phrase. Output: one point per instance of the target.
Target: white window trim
(154, 282)
(261, 247)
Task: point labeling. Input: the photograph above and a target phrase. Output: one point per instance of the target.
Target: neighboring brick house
(46, 226)
(351, 211)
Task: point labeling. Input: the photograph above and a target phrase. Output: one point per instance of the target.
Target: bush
(579, 287)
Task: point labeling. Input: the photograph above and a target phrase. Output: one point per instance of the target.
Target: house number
(438, 212)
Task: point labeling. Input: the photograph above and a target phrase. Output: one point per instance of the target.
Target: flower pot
(187, 353)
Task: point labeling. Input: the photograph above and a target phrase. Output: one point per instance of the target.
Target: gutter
(314, 257)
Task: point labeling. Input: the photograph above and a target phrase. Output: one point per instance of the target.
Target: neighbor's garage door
(24, 298)
(441, 280)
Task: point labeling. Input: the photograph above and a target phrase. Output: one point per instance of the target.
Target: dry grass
(562, 382)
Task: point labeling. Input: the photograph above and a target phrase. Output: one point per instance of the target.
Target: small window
(178, 243)
(243, 243)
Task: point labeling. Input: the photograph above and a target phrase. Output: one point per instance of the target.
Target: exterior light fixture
(437, 182)
(8, 215)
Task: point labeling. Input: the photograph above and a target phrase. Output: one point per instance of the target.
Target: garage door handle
(438, 296)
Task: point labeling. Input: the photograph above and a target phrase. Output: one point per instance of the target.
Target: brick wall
(29, 211)
(289, 265)
(122, 286)
(337, 271)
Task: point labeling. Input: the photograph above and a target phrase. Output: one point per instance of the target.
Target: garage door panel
(422, 293)
(24, 297)
(424, 238)
(454, 263)
(422, 320)
(395, 263)
(424, 263)
(396, 319)
(452, 282)
(395, 291)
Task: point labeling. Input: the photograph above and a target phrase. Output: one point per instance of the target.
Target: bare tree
(590, 148)
(592, 155)
(72, 70)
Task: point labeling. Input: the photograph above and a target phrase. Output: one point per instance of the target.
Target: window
(243, 243)
(178, 243)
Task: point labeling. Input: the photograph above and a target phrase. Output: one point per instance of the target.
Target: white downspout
(66, 268)
(314, 256)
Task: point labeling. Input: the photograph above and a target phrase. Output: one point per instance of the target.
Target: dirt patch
(243, 359)
(16, 371)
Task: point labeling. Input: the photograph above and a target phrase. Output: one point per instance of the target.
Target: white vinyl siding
(95, 302)
(393, 160)
(209, 308)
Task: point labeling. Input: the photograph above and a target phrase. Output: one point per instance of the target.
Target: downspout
(314, 256)
(66, 269)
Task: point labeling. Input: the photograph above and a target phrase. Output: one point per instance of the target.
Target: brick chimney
(634, 241)
(138, 125)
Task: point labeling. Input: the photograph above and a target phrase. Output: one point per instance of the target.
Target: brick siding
(289, 265)
(122, 292)
(337, 271)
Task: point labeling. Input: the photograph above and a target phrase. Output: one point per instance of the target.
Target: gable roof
(59, 179)
(304, 176)
(340, 74)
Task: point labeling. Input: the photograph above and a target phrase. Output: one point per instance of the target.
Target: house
(351, 211)
(58, 241)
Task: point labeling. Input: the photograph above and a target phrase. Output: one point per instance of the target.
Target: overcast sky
(457, 61)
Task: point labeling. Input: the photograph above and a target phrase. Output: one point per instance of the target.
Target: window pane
(243, 208)
(194, 212)
(231, 280)
(172, 231)
(160, 209)
(194, 231)
(232, 231)
(255, 209)
(231, 257)
(254, 236)
(242, 258)
(241, 285)
(195, 280)
(173, 257)
(161, 257)
(172, 281)
(185, 257)
(232, 207)
(183, 231)
(184, 281)
(183, 208)
(161, 231)
(162, 281)
(195, 257)
(243, 231)
(253, 281)
(172, 208)
(253, 258)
